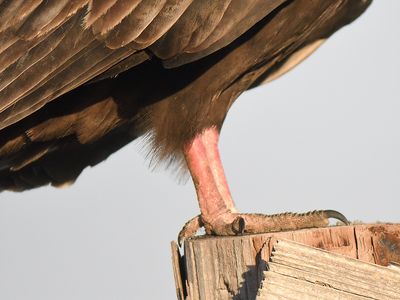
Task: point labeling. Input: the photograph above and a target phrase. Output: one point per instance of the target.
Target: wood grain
(233, 267)
(296, 271)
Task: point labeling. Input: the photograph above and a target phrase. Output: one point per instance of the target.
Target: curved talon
(190, 228)
(329, 213)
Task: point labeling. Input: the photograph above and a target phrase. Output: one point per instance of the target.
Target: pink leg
(208, 175)
(218, 212)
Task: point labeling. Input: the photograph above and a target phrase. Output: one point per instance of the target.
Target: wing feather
(167, 17)
(14, 12)
(239, 16)
(33, 66)
(114, 15)
(47, 49)
(96, 9)
(39, 18)
(134, 24)
(73, 76)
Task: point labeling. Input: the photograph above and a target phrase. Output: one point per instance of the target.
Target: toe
(230, 224)
(190, 228)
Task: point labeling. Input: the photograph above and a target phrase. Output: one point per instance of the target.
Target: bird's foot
(229, 224)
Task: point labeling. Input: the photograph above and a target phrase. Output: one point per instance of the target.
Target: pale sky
(325, 136)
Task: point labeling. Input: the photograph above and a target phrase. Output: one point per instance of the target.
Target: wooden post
(233, 267)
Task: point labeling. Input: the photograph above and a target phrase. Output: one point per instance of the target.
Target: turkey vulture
(79, 79)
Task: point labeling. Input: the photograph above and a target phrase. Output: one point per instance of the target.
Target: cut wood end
(223, 267)
(304, 272)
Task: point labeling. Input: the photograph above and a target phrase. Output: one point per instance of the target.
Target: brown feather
(134, 24)
(166, 18)
(68, 99)
(39, 18)
(114, 15)
(96, 9)
(15, 12)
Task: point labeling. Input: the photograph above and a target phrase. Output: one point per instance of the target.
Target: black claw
(238, 225)
(180, 240)
(336, 215)
(190, 229)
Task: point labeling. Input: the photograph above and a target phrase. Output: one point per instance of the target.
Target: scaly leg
(219, 215)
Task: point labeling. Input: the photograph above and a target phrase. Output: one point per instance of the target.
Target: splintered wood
(235, 267)
(296, 271)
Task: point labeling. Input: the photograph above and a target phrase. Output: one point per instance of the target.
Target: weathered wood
(296, 271)
(232, 267)
(176, 258)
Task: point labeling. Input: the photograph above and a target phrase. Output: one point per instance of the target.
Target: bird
(80, 79)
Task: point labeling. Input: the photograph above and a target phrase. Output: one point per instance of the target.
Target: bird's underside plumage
(80, 79)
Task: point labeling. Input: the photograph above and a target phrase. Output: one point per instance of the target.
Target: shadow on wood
(296, 271)
(233, 267)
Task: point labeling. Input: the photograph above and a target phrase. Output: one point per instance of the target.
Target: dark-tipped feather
(81, 79)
